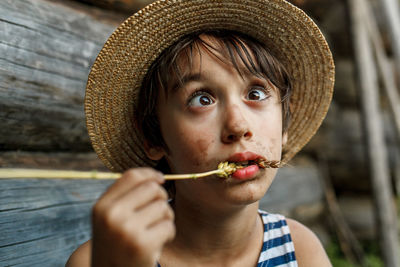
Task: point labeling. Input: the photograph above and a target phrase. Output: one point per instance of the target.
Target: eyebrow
(196, 77)
(191, 77)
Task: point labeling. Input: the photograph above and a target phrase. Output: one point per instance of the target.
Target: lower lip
(246, 173)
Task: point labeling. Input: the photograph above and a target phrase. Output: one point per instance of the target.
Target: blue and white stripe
(278, 248)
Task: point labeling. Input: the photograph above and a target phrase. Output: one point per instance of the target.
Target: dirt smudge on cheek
(195, 150)
(203, 146)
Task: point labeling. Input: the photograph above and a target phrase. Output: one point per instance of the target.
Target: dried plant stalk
(225, 169)
(56, 174)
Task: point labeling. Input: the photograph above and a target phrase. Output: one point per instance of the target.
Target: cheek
(270, 135)
(189, 149)
(203, 144)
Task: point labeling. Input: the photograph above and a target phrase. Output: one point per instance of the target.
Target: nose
(235, 125)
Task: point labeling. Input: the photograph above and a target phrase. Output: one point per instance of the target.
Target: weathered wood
(389, 82)
(108, 16)
(125, 6)
(46, 51)
(43, 221)
(397, 171)
(385, 211)
(391, 10)
(385, 68)
(59, 160)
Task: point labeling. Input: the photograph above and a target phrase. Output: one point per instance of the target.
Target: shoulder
(81, 256)
(308, 248)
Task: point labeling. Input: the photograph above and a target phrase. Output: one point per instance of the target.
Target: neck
(206, 232)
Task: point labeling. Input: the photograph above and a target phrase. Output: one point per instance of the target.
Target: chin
(248, 192)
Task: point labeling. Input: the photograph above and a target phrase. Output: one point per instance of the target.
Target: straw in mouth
(225, 170)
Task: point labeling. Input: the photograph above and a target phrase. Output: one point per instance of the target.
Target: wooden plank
(43, 221)
(385, 211)
(56, 160)
(46, 51)
(126, 6)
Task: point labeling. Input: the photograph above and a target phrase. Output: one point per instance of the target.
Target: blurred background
(344, 185)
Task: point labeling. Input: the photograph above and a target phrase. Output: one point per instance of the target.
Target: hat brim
(117, 73)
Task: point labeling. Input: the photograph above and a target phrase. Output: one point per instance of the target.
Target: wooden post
(385, 211)
(397, 172)
(389, 81)
(385, 68)
(391, 11)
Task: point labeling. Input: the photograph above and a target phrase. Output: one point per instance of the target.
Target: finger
(154, 212)
(125, 206)
(142, 195)
(129, 180)
(162, 232)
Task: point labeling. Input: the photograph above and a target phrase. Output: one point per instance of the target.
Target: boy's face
(219, 115)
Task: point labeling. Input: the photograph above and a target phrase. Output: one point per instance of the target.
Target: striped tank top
(277, 249)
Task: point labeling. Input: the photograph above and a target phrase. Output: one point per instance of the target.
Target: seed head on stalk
(228, 168)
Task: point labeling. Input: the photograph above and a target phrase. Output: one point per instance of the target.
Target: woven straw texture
(121, 65)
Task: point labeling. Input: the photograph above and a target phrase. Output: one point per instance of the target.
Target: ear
(284, 138)
(152, 152)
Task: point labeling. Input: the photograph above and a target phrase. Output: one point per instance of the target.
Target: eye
(200, 99)
(257, 93)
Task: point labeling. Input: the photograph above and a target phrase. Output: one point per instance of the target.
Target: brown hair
(233, 46)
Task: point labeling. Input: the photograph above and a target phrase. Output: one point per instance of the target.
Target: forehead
(232, 52)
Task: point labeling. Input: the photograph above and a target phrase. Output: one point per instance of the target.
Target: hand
(132, 221)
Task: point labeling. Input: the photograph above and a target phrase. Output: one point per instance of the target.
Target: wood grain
(55, 160)
(43, 221)
(46, 51)
(125, 6)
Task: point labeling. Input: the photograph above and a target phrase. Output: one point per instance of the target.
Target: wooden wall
(43, 221)
(46, 50)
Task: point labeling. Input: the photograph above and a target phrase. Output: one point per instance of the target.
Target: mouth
(247, 165)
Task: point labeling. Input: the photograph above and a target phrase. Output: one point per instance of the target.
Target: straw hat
(121, 65)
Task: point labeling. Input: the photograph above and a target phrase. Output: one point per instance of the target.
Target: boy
(182, 86)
